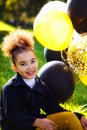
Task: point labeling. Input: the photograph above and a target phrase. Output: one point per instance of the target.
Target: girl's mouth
(30, 73)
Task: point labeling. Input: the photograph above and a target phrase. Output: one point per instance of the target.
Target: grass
(78, 102)
(40, 54)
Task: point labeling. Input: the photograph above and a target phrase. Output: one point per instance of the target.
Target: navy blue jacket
(21, 104)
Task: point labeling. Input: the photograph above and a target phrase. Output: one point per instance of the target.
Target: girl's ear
(14, 68)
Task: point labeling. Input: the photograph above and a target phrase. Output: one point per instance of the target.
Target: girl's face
(26, 64)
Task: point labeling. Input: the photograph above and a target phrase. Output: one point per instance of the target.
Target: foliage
(20, 12)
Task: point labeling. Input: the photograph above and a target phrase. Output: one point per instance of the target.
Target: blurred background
(20, 12)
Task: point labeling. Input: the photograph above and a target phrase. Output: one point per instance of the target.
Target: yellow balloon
(53, 27)
(83, 79)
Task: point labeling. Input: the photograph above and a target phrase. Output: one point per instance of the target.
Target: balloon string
(62, 56)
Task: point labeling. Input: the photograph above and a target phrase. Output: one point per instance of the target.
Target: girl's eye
(33, 61)
(22, 64)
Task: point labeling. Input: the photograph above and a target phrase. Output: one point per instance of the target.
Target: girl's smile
(26, 64)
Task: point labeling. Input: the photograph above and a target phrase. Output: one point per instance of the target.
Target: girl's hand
(45, 124)
(84, 122)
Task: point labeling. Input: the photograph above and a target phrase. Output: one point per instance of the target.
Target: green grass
(78, 102)
(5, 69)
(40, 54)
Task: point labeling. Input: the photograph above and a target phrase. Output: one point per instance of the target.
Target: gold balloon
(53, 27)
(77, 54)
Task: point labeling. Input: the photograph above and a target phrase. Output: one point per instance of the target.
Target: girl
(24, 95)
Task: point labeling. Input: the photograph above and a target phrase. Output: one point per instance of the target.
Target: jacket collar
(38, 86)
(19, 82)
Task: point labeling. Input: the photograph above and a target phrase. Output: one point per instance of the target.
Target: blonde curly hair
(17, 42)
(18, 38)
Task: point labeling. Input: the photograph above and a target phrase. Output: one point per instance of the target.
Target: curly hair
(17, 42)
(16, 39)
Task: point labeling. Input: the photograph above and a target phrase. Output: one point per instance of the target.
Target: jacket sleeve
(50, 104)
(12, 111)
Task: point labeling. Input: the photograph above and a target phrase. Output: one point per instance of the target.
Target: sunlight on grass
(6, 27)
(75, 108)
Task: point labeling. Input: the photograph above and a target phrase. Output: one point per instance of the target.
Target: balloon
(77, 54)
(83, 79)
(51, 55)
(60, 79)
(77, 11)
(54, 5)
(53, 27)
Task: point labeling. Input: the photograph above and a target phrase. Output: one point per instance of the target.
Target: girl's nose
(30, 66)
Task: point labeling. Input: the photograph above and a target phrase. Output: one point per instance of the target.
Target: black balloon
(51, 55)
(77, 10)
(60, 79)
